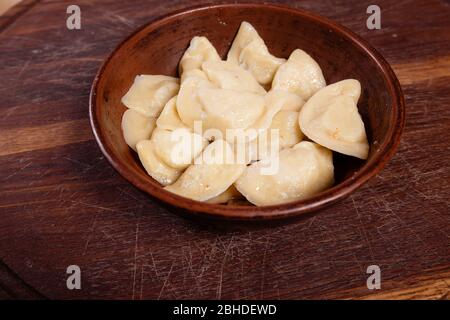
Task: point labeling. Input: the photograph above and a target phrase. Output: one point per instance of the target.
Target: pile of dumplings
(250, 90)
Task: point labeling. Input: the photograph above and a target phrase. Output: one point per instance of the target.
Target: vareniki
(235, 129)
(331, 119)
(304, 170)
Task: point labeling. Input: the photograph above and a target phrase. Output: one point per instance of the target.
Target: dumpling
(270, 142)
(258, 141)
(229, 109)
(259, 62)
(283, 116)
(261, 125)
(136, 127)
(194, 73)
(286, 122)
(199, 51)
(267, 144)
(331, 119)
(286, 100)
(300, 74)
(154, 166)
(250, 52)
(188, 105)
(246, 34)
(227, 75)
(149, 94)
(177, 148)
(299, 172)
(210, 175)
(230, 194)
(169, 118)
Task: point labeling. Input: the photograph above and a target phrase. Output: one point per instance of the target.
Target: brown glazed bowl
(157, 47)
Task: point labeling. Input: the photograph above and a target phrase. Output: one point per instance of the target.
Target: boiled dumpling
(258, 139)
(270, 110)
(301, 171)
(169, 118)
(230, 194)
(194, 73)
(199, 51)
(284, 132)
(188, 105)
(217, 135)
(227, 75)
(262, 124)
(282, 116)
(210, 175)
(154, 166)
(229, 109)
(250, 52)
(266, 145)
(177, 148)
(136, 127)
(149, 94)
(246, 34)
(331, 119)
(286, 122)
(300, 74)
(286, 100)
(259, 62)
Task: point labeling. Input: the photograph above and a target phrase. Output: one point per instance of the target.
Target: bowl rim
(290, 209)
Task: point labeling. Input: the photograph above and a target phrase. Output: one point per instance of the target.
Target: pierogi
(300, 74)
(286, 122)
(177, 148)
(284, 132)
(250, 52)
(149, 94)
(169, 118)
(304, 170)
(209, 176)
(154, 165)
(199, 51)
(226, 75)
(331, 118)
(136, 127)
(228, 195)
(285, 99)
(188, 105)
(234, 130)
(229, 109)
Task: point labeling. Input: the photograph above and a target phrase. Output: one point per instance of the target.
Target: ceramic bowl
(157, 47)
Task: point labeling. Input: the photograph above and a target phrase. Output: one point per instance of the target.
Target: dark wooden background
(61, 203)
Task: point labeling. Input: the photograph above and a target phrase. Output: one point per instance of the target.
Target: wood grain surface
(61, 203)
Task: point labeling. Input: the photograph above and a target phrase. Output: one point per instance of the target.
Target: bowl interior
(158, 47)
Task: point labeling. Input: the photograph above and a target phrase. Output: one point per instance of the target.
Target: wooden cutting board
(62, 204)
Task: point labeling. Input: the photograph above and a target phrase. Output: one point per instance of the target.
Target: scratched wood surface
(61, 203)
